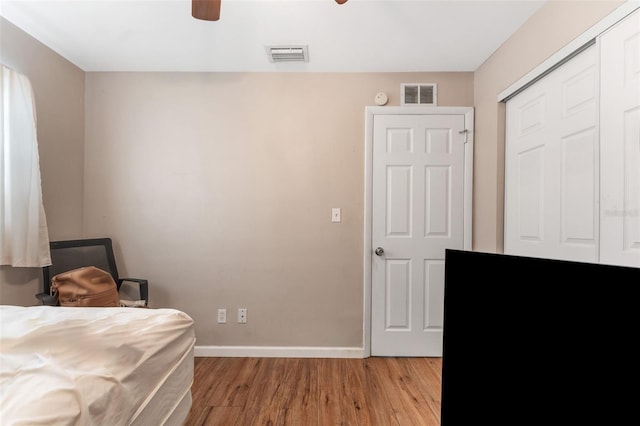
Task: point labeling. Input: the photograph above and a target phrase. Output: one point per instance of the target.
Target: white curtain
(24, 238)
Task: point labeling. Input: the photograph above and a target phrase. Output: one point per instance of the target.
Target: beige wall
(58, 87)
(552, 27)
(218, 188)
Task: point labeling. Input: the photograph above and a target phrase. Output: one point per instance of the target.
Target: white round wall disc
(381, 98)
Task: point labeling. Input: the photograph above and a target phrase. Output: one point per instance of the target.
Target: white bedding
(94, 366)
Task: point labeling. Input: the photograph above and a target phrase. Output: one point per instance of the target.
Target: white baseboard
(278, 352)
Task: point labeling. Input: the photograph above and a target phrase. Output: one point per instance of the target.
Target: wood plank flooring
(316, 392)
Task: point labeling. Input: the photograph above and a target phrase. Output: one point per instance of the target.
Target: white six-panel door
(551, 164)
(620, 143)
(417, 212)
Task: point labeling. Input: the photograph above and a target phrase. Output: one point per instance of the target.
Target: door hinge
(466, 135)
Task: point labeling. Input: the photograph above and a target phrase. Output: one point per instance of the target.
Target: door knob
(379, 251)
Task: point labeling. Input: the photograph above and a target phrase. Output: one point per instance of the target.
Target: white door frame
(370, 113)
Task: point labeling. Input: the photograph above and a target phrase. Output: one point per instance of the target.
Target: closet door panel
(579, 188)
(530, 193)
(578, 154)
(551, 176)
(620, 143)
(527, 184)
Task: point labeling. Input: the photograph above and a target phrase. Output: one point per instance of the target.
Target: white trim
(370, 113)
(278, 352)
(468, 177)
(368, 197)
(568, 50)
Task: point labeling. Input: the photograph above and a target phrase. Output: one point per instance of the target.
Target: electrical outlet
(222, 316)
(242, 315)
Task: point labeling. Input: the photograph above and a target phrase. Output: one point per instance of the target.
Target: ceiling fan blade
(207, 10)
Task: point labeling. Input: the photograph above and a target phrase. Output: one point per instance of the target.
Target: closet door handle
(379, 251)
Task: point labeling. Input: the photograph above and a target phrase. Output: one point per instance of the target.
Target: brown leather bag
(85, 287)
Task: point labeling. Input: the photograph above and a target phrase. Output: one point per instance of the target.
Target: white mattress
(95, 366)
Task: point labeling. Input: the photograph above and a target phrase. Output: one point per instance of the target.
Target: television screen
(539, 341)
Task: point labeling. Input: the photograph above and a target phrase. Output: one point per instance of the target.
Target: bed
(95, 366)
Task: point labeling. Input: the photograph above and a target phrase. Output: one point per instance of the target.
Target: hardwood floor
(316, 392)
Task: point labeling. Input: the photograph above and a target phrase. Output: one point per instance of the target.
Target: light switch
(335, 214)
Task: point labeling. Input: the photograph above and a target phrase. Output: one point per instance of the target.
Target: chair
(72, 254)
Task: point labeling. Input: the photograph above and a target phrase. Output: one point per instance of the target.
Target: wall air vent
(419, 94)
(288, 53)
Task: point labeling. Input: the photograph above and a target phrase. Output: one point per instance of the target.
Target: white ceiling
(359, 36)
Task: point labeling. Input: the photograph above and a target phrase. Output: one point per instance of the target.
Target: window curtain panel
(24, 237)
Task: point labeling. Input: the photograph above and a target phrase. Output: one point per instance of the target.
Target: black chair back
(73, 254)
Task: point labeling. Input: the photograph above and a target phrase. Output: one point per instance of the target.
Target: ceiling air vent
(288, 53)
(419, 94)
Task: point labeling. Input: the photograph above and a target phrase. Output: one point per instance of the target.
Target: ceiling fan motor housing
(207, 10)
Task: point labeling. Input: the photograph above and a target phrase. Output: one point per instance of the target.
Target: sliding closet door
(620, 143)
(551, 164)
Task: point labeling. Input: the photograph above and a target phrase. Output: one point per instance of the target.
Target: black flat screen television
(538, 341)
